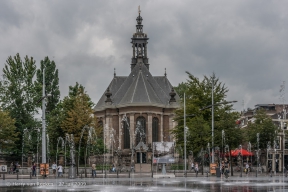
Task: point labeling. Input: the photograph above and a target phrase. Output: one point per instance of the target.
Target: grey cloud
(243, 42)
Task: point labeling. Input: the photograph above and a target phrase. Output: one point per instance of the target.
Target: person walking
(34, 169)
(247, 168)
(222, 168)
(54, 167)
(226, 167)
(60, 170)
(11, 168)
(93, 170)
(196, 169)
(192, 166)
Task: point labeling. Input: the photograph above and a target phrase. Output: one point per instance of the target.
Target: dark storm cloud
(243, 42)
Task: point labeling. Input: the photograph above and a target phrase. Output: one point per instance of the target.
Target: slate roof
(140, 88)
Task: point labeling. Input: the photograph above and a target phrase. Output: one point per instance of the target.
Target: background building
(278, 113)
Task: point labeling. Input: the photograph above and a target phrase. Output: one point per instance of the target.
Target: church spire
(139, 26)
(139, 44)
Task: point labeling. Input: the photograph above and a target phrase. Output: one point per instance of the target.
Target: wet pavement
(235, 183)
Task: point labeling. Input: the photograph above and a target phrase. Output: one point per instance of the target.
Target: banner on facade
(163, 152)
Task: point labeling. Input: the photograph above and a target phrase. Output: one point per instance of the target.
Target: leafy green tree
(60, 113)
(51, 83)
(198, 95)
(18, 93)
(8, 134)
(263, 125)
(181, 89)
(79, 116)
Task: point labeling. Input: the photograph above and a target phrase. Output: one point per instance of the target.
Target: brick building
(137, 109)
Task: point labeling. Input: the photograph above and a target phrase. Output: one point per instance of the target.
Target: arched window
(126, 134)
(100, 127)
(155, 129)
(140, 130)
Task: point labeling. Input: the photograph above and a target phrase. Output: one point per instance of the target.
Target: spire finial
(108, 95)
(139, 21)
(165, 73)
(114, 72)
(139, 11)
(172, 95)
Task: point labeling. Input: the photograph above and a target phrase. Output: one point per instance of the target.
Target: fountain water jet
(26, 137)
(91, 137)
(72, 168)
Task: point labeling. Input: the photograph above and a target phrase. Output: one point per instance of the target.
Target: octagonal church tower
(138, 109)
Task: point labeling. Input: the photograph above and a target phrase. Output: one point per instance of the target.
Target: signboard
(213, 168)
(3, 168)
(163, 152)
(164, 160)
(44, 169)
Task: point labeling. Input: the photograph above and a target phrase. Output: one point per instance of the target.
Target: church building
(138, 109)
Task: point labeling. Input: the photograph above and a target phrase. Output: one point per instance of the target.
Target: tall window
(140, 130)
(126, 133)
(155, 129)
(100, 126)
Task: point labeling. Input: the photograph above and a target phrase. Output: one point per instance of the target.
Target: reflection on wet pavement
(147, 184)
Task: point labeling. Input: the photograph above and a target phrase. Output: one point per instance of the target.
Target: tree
(263, 125)
(18, 93)
(199, 95)
(79, 116)
(181, 88)
(8, 134)
(51, 83)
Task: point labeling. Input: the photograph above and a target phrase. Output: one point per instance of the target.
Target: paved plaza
(144, 182)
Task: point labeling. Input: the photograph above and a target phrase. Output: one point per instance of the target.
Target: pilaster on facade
(120, 132)
(149, 128)
(171, 126)
(132, 130)
(162, 127)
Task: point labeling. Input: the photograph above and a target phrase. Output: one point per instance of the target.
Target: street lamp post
(185, 135)
(283, 158)
(241, 160)
(212, 124)
(258, 139)
(212, 107)
(43, 118)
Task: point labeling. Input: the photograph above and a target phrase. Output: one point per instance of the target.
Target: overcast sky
(244, 42)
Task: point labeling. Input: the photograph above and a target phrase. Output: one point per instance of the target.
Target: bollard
(117, 174)
(129, 174)
(105, 174)
(3, 176)
(81, 175)
(30, 175)
(207, 174)
(17, 175)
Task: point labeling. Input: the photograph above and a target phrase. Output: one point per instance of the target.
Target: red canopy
(242, 152)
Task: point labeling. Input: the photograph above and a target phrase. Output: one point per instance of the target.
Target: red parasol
(242, 152)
